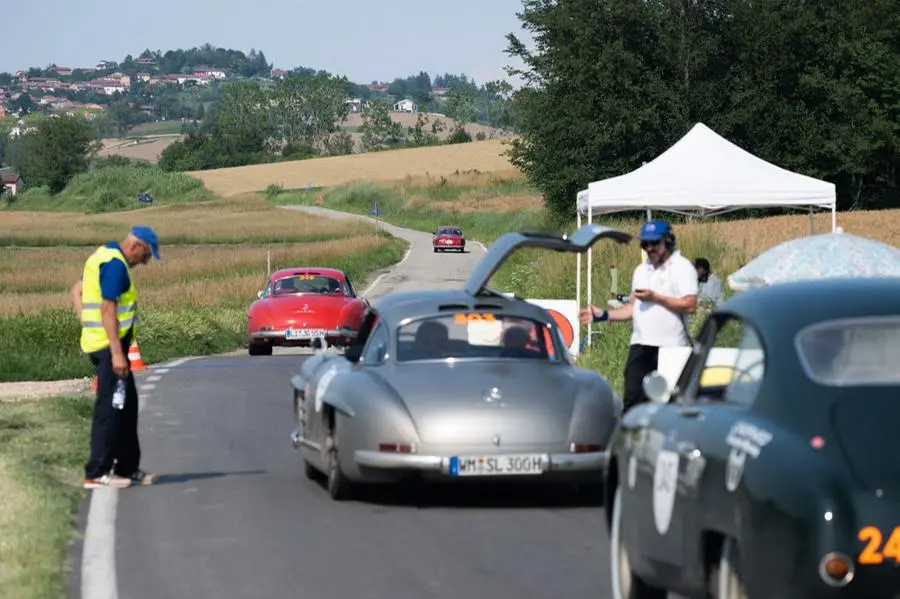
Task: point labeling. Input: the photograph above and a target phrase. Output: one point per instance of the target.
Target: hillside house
(405, 105)
(12, 182)
(355, 104)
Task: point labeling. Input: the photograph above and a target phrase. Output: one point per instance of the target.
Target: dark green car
(770, 466)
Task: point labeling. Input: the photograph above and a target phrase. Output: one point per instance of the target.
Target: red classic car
(449, 238)
(302, 305)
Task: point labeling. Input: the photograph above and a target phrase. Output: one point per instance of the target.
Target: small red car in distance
(448, 238)
(302, 305)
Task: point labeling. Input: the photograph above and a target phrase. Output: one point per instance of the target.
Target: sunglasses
(647, 244)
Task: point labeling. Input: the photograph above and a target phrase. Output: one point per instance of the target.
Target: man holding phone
(664, 293)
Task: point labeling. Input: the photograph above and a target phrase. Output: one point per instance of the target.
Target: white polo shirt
(652, 323)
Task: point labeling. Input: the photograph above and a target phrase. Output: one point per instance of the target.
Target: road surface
(234, 516)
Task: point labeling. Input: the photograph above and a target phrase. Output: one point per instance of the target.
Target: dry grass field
(214, 254)
(188, 276)
(374, 166)
(140, 150)
(240, 219)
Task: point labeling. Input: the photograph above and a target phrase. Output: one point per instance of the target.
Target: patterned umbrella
(827, 256)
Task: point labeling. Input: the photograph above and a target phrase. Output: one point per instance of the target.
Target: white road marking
(175, 363)
(482, 246)
(153, 378)
(98, 563)
(98, 556)
(382, 275)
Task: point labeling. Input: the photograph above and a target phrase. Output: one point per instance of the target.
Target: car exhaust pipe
(296, 439)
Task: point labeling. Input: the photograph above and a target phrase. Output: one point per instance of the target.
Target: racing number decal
(874, 553)
(461, 318)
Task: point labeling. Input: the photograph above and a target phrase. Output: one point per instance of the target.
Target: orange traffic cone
(134, 356)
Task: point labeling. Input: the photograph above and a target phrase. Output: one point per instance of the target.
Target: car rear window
(306, 283)
(851, 352)
(474, 335)
(449, 232)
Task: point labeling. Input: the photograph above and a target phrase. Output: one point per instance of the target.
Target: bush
(45, 346)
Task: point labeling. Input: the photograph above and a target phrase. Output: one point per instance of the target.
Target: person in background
(710, 287)
(664, 293)
(105, 301)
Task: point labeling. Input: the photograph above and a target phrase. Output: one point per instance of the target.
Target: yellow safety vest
(93, 335)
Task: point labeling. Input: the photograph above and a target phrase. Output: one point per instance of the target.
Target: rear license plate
(304, 333)
(495, 465)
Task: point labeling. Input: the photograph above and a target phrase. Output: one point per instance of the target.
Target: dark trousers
(114, 432)
(642, 360)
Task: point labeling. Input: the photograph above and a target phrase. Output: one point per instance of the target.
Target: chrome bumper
(350, 333)
(550, 462)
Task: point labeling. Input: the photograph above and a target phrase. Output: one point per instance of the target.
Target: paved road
(234, 515)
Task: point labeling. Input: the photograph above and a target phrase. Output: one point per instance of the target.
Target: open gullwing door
(579, 242)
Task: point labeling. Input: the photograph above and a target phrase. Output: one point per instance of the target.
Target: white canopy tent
(702, 174)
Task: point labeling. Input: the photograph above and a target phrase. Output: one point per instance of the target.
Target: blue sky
(363, 40)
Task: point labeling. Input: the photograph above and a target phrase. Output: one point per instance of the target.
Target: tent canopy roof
(705, 174)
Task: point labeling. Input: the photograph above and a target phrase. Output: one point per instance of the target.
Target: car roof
(327, 272)
(399, 306)
(779, 311)
(449, 227)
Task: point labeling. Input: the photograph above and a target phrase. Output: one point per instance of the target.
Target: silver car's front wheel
(625, 585)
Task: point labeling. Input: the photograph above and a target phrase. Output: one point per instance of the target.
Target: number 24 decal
(874, 553)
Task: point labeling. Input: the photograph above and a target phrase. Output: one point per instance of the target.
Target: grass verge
(113, 188)
(42, 445)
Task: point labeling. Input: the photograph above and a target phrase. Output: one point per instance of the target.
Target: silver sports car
(468, 383)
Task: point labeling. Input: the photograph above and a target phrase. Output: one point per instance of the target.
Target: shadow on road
(164, 479)
(480, 495)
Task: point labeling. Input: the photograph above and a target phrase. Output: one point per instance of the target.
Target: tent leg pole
(834, 217)
(590, 272)
(578, 272)
(812, 221)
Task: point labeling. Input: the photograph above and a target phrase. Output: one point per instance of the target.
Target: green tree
(240, 122)
(378, 129)
(59, 148)
(308, 110)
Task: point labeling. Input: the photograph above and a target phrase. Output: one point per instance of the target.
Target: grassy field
(146, 148)
(195, 299)
(113, 188)
(486, 156)
(42, 448)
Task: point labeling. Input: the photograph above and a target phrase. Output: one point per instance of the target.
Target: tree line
(302, 116)
(810, 86)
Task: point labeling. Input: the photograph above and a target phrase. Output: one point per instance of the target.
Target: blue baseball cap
(654, 230)
(148, 236)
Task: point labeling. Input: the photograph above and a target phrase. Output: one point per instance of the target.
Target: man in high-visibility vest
(106, 303)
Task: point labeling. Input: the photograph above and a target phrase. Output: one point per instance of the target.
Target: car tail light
(836, 569)
(397, 447)
(583, 448)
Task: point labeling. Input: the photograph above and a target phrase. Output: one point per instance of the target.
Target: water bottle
(119, 395)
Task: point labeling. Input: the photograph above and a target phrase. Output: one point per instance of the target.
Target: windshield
(306, 283)
(855, 351)
(449, 231)
(474, 335)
